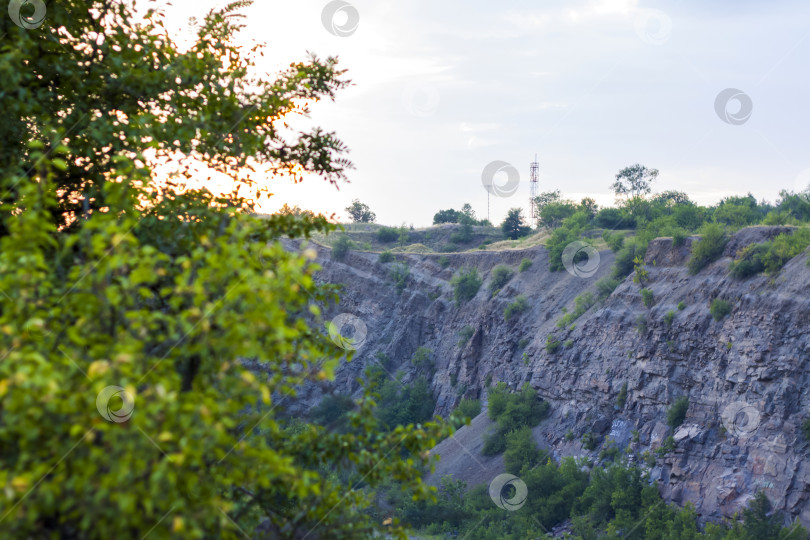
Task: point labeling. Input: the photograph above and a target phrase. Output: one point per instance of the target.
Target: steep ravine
(755, 357)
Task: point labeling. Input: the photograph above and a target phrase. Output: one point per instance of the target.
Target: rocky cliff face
(746, 376)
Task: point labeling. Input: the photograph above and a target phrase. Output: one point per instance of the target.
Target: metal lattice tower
(534, 182)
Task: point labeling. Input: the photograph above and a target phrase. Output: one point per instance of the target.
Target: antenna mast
(534, 182)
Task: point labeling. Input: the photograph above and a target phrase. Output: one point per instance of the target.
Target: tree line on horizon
(636, 208)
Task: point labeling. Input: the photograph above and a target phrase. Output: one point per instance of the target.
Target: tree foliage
(514, 225)
(154, 339)
(133, 91)
(360, 212)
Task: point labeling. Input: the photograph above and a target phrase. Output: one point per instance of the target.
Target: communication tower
(534, 182)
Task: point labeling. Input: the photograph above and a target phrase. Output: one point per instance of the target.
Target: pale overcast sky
(442, 88)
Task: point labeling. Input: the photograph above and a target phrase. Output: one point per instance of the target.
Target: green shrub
(667, 447)
(464, 335)
(466, 284)
(556, 244)
(463, 235)
(582, 303)
(806, 428)
(679, 237)
(399, 273)
(331, 411)
(404, 236)
(677, 412)
(606, 286)
(497, 398)
(386, 257)
(400, 405)
(709, 248)
(512, 412)
(552, 344)
(621, 399)
(681, 306)
(669, 317)
(341, 247)
(569, 435)
(624, 263)
(568, 343)
(500, 276)
(444, 261)
(770, 256)
(784, 247)
(615, 218)
(469, 408)
(615, 242)
(515, 308)
(641, 324)
(647, 297)
(522, 343)
(749, 261)
(421, 358)
(719, 308)
(521, 451)
(525, 264)
(494, 443)
(589, 441)
(610, 451)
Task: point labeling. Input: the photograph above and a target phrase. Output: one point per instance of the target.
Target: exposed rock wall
(751, 366)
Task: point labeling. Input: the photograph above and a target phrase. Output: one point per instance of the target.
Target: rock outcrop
(745, 376)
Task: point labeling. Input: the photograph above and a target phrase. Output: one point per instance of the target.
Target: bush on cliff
(466, 284)
(709, 248)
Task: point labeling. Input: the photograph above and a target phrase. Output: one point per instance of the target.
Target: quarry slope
(746, 376)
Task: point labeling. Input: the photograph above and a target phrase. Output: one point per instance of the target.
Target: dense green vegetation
(468, 408)
(399, 273)
(677, 412)
(499, 276)
(135, 311)
(511, 411)
(341, 247)
(769, 257)
(640, 217)
(719, 308)
(614, 502)
(466, 284)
